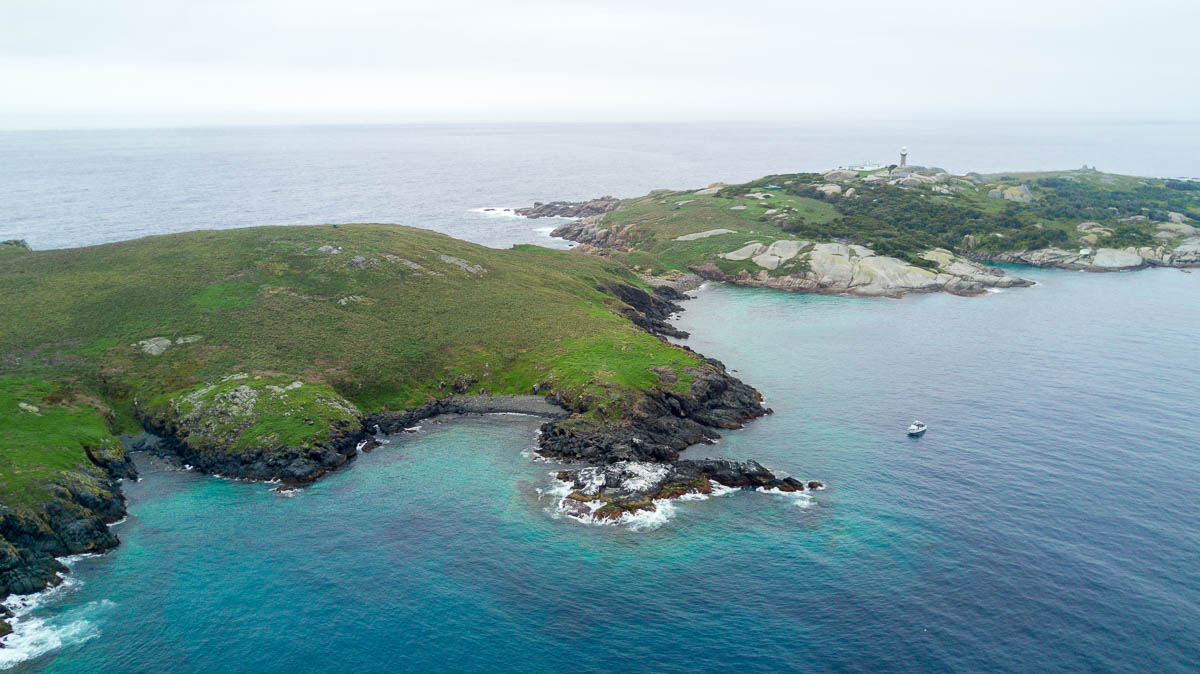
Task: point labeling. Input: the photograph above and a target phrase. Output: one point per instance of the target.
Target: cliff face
(256, 428)
(661, 426)
(665, 420)
(71, 518)
(802, 266)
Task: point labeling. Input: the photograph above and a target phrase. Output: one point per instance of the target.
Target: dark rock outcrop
(590, 232)
(254, 429)
(570, 209)
(72, 520)
(614, 490)
(291, 464)
(650, 312)
(663, 424)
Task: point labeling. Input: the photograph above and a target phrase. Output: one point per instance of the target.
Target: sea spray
(35, 635)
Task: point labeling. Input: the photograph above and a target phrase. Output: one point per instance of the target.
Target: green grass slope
(384, 317)
(387, 315)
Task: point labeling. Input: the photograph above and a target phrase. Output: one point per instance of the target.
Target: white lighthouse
(904, 156)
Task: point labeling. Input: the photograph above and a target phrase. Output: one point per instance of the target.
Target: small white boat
(917, 428)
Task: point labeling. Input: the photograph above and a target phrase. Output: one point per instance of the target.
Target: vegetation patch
(229, 294)
(47, 431)
(980, 214)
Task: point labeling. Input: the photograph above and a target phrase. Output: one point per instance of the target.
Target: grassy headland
(904, 215)
(263, 352)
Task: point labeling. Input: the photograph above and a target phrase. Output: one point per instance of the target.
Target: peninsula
(275, 353)
(892, 231)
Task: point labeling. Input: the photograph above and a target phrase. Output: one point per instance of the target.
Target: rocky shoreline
(206, 429)
(203, 428)
(570, 209)
(1187, 254)
(1168, 238)
(74, 521)
(873, 276)
(833, 268)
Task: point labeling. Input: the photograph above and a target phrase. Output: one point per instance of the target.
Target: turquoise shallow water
(1047, 521)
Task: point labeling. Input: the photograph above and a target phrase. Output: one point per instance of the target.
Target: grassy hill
(269, 345)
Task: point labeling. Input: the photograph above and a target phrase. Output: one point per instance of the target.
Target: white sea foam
(558, 488)
(120, 521)
(21, 604)
(533, 455)
(644, 475)
(638, 520)
(584, 512)
(648, 520)
(544, 230)
(70, 560)
(34, 636)
(800, 499)
(719, 489)
(498, 212)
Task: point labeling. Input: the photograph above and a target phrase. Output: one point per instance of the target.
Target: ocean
(1046, 522)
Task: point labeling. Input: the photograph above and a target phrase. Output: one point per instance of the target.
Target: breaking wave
(35, 635)
(800, 499)
(498, 212)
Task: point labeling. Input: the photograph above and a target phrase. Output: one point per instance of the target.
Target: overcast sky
(133, 63)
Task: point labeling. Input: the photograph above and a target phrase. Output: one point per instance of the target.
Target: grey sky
(129, 63)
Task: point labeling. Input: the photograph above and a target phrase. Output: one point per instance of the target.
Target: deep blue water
(1047, 521)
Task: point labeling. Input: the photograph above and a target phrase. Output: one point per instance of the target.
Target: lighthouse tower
(904, 156)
